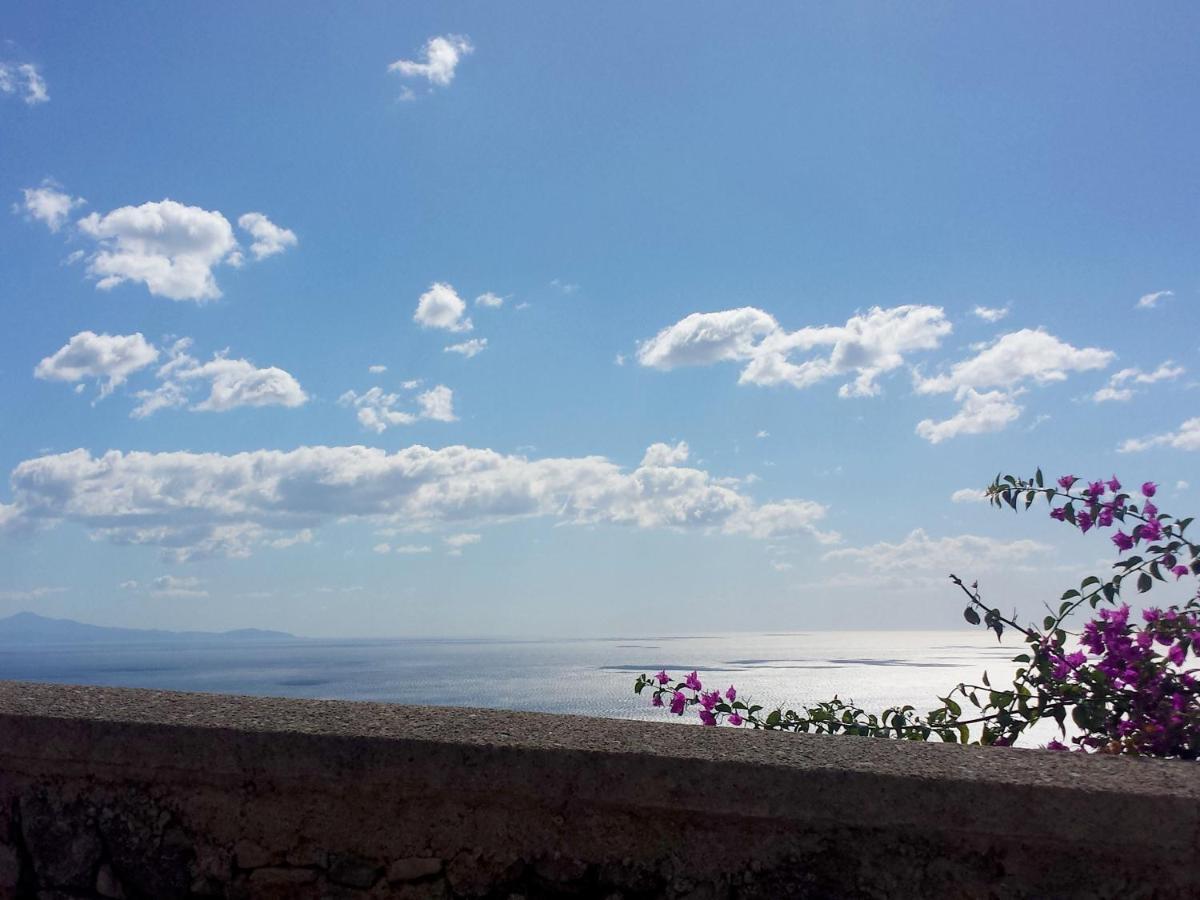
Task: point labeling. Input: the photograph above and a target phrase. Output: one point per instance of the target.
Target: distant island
(27, 627)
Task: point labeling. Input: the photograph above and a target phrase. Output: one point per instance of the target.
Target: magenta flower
(662, 677)
(1066, 481)
(1176, 654)
(1148, 489)
(1084, 518)
(707, 718)
(678, 702)
(731, 694)
(1059, 512)
(1095, 489)
(1179, 572)
(1057, 745)
(1105, 519)
(1113, 484)
(735, 719)
(709, 699)
(693, 681)
(656, 700)
(1123, 541)
(1151, 530)
(1149, 510)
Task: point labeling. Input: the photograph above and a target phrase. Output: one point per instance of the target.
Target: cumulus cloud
(108, 358)
(867, 346)
(192, 505)
(25, 80)
(990, 313)
(377, 408)
(439, 60)
(665, 454)
(169, 247)
(1028, 356)
(1187, 437)
(268, 238)
(470, 348)
(1120, 385)
(493, 301)
(977, 414)
(1151, 301)
(441, 307)
(231, 383)
(48, 204)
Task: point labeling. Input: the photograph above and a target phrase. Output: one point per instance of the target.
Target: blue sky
(840, 263)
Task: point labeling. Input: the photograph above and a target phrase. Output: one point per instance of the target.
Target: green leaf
(970, 615)
(773, 718)
(1038, 477)
(1144, 583)
(1091, 579)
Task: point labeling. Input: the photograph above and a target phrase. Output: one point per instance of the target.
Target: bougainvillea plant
(1127, 683)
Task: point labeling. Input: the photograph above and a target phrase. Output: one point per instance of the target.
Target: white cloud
(619, 359)
(962, 552)
(31, 594)
(108, 358)
(441, 58)
(977, 414)
(867, 346)
(456, 542)
(762, 434)
(169, 247)
(48, 204)
(441, 307)
(231, 383)
(1187, 437)
(665, 454)
(23, 79)
(567, 287)
(969, 495)
(376, 370)
(1014, 359)
(1118, 387)
(494, 301)
(1181, 485)
(470, 348)
(377, 409)
(269, 238)
(990, 313)
(177, 588)
(412, 549)
(1150, 301)
(192, 505)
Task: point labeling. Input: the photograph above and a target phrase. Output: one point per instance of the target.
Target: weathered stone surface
(182, 795)
(413, 869)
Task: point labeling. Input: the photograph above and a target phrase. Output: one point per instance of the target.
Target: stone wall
(147, 794)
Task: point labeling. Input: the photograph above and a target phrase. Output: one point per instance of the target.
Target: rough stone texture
(157, 795)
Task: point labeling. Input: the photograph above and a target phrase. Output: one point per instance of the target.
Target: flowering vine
(1130, 685)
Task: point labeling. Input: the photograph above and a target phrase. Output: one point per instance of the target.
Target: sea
(594, 677)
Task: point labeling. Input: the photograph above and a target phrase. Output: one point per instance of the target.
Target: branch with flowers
(1127, 686)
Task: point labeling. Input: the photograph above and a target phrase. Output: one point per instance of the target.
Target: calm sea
(591, 677)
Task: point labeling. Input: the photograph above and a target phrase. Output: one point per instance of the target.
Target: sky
(482, 319)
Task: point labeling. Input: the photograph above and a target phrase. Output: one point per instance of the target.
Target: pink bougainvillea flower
(735, 719)
(1057, 745)
(1066, 481)
(678, 702)
(1177, 654)
(656, 700)
(693, 681)
(1084, 518)
(709, 699)
(731, 694)
(1151, 530)
(1095, 489)
(1113, 484)
(1149, 488)
(1105, 519)
(1123, 541)
(1059, 512)
(662, 677)
(707, 718)
(1179, 572)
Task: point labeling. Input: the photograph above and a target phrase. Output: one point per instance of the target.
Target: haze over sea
(589, 677)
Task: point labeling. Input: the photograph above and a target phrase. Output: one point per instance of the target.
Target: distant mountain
(27, 627)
